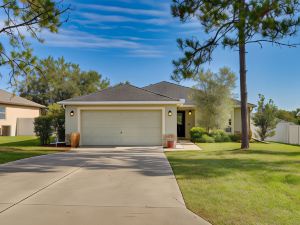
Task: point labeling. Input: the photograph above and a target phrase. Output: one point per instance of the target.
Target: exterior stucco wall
(13, 113)
(189, 122)
(238, 120)
(171, 121)
(235, 116)
(72, 123)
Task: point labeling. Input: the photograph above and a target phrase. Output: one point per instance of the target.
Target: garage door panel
(140, 127)
(152, 131)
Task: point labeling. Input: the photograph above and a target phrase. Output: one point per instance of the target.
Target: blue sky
(135, 40)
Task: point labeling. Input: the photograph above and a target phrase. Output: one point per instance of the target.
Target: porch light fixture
(72, 113)
(170, 113)
(190, 112)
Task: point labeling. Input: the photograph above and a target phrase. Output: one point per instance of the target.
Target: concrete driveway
(100, 186)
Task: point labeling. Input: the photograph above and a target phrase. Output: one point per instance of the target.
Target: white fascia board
(188, 106)
(121, 102)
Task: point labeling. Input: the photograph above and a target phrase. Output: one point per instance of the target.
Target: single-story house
(129, 115)
(17, 115)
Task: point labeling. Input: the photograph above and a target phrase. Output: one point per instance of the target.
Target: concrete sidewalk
(184, 145)
(107, 186)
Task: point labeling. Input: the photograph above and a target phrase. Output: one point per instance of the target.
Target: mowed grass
(20, 147)
(229, 186)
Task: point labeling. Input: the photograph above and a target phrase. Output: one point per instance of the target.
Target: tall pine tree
(234, 24)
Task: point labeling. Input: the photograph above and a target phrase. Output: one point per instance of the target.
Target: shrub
(199, 134)
(196, 133)
(206, 139)
(227, 138)
(220, 136)
(237, 137)
(43, 128)
(57, 114)
(59, 126)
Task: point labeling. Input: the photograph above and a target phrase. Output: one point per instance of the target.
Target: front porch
(187, 118)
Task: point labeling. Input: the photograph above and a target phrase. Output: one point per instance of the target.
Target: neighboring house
(17, 115)
(128, 115)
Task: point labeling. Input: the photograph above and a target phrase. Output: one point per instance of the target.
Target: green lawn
(228, 186)
(14, 148)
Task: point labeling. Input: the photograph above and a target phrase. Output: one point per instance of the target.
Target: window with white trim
(2, 113)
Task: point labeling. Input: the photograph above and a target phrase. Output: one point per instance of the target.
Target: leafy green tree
(21, 19)
(234, 24)
(60, 80)
(289, 116)
(286, 116)
(213, 96)
(57, 113)
(265, 118)
(43, 129)
(297, 113)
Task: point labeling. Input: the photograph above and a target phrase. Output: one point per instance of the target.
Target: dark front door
(181, 123)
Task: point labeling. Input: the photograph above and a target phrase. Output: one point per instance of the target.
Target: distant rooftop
(11, 99)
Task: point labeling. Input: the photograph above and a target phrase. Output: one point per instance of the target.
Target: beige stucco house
(128, 115)
(17, 115)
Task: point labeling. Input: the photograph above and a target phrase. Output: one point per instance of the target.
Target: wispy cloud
(154, 3)
(123, 10)
(79, 39)
(146, 53)
(90, 18)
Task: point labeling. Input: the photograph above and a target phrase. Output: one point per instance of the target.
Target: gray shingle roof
(172, 90)
(11, 99)
(121, 92)
(178, 91)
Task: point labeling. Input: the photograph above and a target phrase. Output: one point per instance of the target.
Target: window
(228, 130)
(2, 113)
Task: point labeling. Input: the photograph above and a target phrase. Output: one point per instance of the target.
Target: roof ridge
(153, 92)
(179, 85)
(118, 85)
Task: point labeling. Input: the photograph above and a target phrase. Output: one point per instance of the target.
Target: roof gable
(11, 99)
(122, 93)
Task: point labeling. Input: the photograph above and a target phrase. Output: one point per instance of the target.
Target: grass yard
(228, 186)
(20, 147)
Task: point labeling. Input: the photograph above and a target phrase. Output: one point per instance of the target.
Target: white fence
(25, 127)
(286, 133)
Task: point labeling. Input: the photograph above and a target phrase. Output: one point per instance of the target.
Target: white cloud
(146, 53)
(79, 39)
(123, 10)
(91, 18)
(153, 3)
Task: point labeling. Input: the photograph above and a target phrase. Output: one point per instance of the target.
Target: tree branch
(273, 42)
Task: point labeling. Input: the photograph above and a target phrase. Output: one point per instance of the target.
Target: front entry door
(181, 124)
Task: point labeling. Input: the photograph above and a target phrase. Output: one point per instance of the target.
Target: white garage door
(121, 128)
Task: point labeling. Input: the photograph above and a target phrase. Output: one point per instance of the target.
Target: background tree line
(58, 80)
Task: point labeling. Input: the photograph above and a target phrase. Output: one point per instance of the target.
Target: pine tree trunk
(243, 78)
